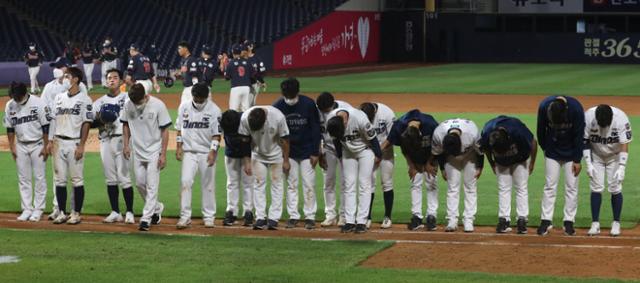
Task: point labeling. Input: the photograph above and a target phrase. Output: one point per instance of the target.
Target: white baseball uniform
(357, 161)
(198, 127)
(240, 98)
(33, 78)
(266, 154)
(461, 166)
(330, 156)
(27, 121)
(382, 123)
(146, 138)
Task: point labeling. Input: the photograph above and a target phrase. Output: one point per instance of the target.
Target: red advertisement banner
(339, 38)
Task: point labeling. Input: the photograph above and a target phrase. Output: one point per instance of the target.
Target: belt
(112, 136)
(66, 138)
(30, 142)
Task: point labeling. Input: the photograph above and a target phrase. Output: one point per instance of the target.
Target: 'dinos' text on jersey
(186, 124)
(32, 117)
(605, 140)
(69, 111)
(382, 128)
(353, 136)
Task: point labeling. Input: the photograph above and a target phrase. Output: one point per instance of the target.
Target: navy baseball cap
(60, 62)
(134, 46)
(236, 49)
(206, 49)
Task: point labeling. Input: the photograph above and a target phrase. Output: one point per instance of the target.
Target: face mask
(199, 106)
(21, 101)
(57, 73)
(291, 101)
(32, 48)
(66, 84)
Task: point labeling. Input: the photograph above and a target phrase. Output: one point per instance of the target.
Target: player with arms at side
(188, 70)
(140, 70)
(241, 74)
(33, 58)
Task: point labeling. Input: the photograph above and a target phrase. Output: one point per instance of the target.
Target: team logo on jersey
(382, 128)
(627, 126)
(193, 64)
(185, 115)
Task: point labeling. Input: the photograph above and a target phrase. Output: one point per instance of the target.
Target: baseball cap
(236, 49)
(134, 46)
(249, 43)
(60, 62)
(206, 49)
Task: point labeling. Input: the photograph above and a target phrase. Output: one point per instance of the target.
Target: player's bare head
(370, 109)
(290, 88)
(230, 121)
(411, 142)
(557, 110)
(137, 94)
(257, 117)
(335, 127)
(200, 92)
(17, 91)
(114, 78)
(499, 140)
(325, 101)
(184, 48)
(451, 144)
(604, 115)
(74, 75)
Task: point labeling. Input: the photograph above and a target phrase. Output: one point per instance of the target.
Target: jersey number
(241, 71)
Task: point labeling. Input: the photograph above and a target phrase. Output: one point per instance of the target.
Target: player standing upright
(145, 126)
(188, 70)
(259, 68)
(88, 58)
(154, 56)
(33, 58)
(241, 74)
(140, 70)
(607, 136)
(108, 56)
(27, 121)
(206, 66)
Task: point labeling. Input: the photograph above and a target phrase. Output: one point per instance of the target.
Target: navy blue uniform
(33, 58)
(88, 55)
(427, 125)
(109, 53)
(236, 145)
(240, 72)
(152, 54)
(139, 68)
(303, 120)
(562, 141)
(258, 66)
(189, 68)
(519, 135)
(207, 69)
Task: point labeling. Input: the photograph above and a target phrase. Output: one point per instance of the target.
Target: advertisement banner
(612, 5)
(342, 37)
(539, 6)
(610, 48)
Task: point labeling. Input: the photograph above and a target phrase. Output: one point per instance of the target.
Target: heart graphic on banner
(363, 35)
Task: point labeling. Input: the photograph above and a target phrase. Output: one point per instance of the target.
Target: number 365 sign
(613, 48)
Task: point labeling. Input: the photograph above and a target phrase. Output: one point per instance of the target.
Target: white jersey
(114, 128)
(382, 122)
(327, 140)
(27, 120)
(358, 131)
(198, 126)
(469, 138)
(53, 88)
(70, 112)
(606, 142)
(265, 142)
(146, 127)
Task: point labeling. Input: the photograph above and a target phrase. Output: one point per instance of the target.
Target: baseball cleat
(74, 218)
(347, 228)
(272, 224)
(342, 221)
(361, 228)
(431, 223)
(144, 226)
(329, 222)
(248, 218)
(309, 224)
(468, 225)
(568, 228)
(61, 218)
(24, 216)
(415, 223)
(229, 219)
(595, 229)
(261, 224)
(35, 216)
(615, 229)
(54, 214)
(503, 226)
(156, 218)
(113, 217)
(292, 223)
(209, 223)
(368, 223)
(129, 218)
(452, 226)
(386, 223)
(522, 225)
(183, 223)
(545, 226)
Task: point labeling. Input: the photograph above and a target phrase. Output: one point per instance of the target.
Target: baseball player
(71, 53)
(304, 138)
(73, 114)
(88, 57)
(381, 118)
(108, 56)
(33, 58)
(206, 67)
(511, 150)
(260, 69)
(241, 74)
(413, 132)
(27, 121)
(237, 148)
(456, 143)
(188, 70)
(560, 134)
(267, 129)
(116, 169)
(154, 56)
(607, 136)
(329, 162)
(140, 70)
(146, 121)
(356, 144)
(198, 141)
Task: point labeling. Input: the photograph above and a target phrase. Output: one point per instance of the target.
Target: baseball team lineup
(283, 143)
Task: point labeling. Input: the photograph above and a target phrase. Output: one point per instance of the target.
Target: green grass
(47, 256)
(97, 202)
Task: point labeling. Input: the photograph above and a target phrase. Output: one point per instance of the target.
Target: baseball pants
(147, 182)
(148, 86)
(237, 178)
(33, 77)
(255, 90)
(186, 94)
(602, 165)
(357, 170)
(457, 168)
(88, 73)
(330, 185)
(193, 162)
(105, 66)
(115, 166)
(54, 200)
(260, 172)
(552, 172)
(386, 175)
(516, 176)
(301, 168)
(31, 165)
(431, 183)
(239, 98)
(65, 163)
